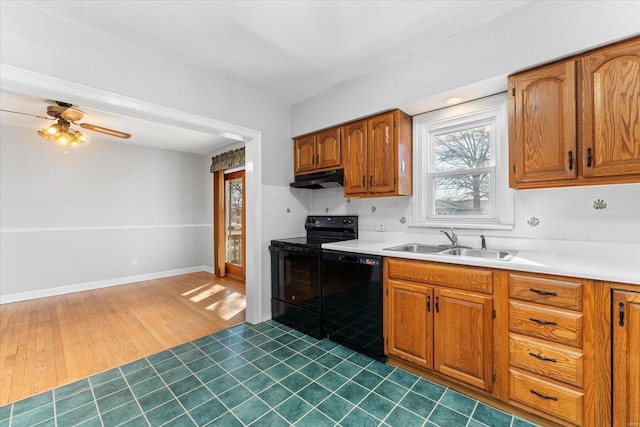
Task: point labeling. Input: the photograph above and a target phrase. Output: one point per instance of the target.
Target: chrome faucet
(452, 237)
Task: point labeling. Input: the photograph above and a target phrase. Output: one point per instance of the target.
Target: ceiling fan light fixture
(62, 134)
(44, 133)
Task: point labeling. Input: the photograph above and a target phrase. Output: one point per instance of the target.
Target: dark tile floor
(255, 375)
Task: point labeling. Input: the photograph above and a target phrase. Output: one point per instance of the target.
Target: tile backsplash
(608, 213)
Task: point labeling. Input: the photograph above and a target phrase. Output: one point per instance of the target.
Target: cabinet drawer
(473, 279)
(561, 402)
(562, 326)
(551, 360)
(554, 292)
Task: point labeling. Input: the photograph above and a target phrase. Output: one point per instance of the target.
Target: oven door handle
(295, 250)
(349, 258)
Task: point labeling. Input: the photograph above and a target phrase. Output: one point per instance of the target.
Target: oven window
(300, 280)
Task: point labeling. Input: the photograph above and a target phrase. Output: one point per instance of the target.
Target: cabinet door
(355, 163)
(626, 358)
(410, 322)
(611, 110)
(328, 149)
(304, 154)
(542, 144)
(463, 337)
(382, 154)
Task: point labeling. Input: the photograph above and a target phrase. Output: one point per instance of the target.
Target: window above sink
(461, 159)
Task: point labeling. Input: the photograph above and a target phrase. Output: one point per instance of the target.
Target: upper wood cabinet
(356, 157)
(317, 152)
(375, 153)
(577, 122)
(543, 124)
(626, 358)
(378, 156)
(611, 111)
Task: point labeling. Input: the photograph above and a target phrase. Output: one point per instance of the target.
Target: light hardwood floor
(49, 342)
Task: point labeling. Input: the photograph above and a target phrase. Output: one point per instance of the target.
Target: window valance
(228, 160)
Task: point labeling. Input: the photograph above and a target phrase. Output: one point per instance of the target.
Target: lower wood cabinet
(559, 401)
(409, 322)
(565, 350)
(625, 324)
(463, 336)
(449, 331)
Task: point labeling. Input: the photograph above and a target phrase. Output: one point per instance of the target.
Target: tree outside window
(458, 153)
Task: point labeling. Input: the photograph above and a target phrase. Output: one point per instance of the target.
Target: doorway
(234, 219)
(229, 206)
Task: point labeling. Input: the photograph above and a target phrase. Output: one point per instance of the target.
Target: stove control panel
(347, 222)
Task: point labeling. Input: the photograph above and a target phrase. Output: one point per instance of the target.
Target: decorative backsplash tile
(599, 204)
(596, 213)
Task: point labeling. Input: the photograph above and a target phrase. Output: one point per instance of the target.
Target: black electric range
(296, 271)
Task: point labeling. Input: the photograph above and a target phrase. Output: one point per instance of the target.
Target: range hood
(327, 179)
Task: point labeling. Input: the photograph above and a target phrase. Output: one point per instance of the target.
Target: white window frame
(491, 110)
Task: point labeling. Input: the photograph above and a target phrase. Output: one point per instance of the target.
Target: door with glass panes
(234, 223)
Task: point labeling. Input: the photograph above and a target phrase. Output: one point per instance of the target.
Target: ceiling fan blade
(27, 114)
(105, 130)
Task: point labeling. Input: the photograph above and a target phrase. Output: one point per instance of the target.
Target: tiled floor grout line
(171, 391)
(400, 400)
(95, 401)
(135, 399)
(472, 412)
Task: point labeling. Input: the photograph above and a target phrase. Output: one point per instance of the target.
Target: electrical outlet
(379, 225)
(134, 261)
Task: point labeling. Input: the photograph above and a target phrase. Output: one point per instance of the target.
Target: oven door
(295, 288)
(296, 276)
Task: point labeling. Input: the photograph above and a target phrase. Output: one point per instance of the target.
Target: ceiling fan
(61, 132)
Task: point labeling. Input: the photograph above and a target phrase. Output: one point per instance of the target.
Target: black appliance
(352, 301)
(326, 179)
(296, 272)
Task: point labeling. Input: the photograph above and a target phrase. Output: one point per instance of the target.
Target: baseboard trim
(61, 290)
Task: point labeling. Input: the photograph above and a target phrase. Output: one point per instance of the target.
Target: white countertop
(614, 262)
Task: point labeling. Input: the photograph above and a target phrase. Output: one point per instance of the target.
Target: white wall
(534, 34)
(109, 64)
(81, 217)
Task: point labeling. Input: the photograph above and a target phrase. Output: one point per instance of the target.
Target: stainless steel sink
(481, 253)
(418, 248)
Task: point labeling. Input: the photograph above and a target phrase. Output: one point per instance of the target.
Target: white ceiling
(288, 50)
(143, 132)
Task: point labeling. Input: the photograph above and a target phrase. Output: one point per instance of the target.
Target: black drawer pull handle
(543, 395)
(539, 292)
(542, 322)
(437, 305)
(546, 359)
(429, 303)
(589, 157)
(621, 313)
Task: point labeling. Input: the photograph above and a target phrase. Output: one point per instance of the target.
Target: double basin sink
(459, 251)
